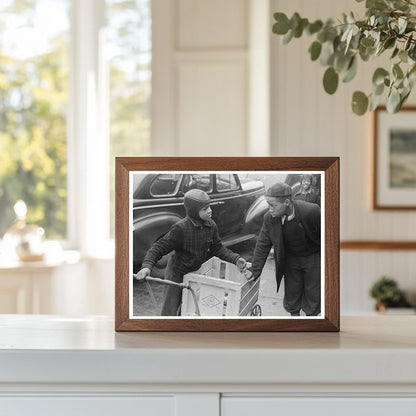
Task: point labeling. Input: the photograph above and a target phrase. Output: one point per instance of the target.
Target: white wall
(211, 92)
(203, 84)
(308, 122)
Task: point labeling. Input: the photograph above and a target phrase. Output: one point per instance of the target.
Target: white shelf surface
(52, 349)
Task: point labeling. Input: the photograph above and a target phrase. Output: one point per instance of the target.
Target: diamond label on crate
(211, 301)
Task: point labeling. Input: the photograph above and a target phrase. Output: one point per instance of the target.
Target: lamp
(27, 241)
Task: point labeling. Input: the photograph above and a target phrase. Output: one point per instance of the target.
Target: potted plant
(389, 27)
(387, 294)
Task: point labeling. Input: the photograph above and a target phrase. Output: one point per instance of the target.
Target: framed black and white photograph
(227, 244)
(394, 179)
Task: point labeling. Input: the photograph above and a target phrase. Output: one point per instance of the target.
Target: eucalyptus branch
(389, 25)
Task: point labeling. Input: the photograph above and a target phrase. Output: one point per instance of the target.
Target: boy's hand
(249, 275)
(241, 264)
(143, 273)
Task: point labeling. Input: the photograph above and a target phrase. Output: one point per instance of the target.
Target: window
(165, 185)
(226, 182)
(198, 181)
(75, 87)
(33, 101)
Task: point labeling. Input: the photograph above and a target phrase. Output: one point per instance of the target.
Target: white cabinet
(324, 406)
(88, 406)
(54, 365)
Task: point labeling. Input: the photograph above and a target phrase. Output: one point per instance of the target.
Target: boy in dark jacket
(293, 229)
(194, 239)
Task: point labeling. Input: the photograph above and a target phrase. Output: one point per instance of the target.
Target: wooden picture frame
(394, 159)
(134, 169)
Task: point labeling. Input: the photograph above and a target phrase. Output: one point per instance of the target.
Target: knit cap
(194, 200)
(280, 190)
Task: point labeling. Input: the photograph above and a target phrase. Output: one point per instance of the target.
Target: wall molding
(377, 245)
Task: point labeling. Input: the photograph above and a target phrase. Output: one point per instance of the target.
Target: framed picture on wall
(394, 179)
(227, 244)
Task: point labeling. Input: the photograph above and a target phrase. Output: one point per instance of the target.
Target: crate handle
(169, 282)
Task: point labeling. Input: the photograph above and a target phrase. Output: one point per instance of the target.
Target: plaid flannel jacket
(193, 242)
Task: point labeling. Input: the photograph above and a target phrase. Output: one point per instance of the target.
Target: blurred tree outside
(33, 99)
(34, 67)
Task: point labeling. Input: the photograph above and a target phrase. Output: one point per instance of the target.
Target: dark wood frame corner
(330, 165)
(375, 147)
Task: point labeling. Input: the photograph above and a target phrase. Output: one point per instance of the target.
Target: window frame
(87, 133)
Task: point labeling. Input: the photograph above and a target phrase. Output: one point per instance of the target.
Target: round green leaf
(281, 26)
(351, 71)
(315, 50)
(374, 102)
(367, 42)
(359, 103)
(327, 54)
(342, 62)
(403, 96)
(400, 5)
(393, 101)
(378, 90)
(408, 42)
(294, 20)
(376, 4)
(366, 53)
(412, 52)
(411, 76)
(403, 56)
(322, 36)
(389, 43)
(300, 25)
(379, 75)
(412, 70)
(395, 52)
(314, 27)
(397, 71)
(330, 80)
(288, 37)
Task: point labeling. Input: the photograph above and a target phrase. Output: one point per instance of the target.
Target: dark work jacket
(271, 235)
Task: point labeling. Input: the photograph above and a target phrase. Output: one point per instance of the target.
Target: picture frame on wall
(227, 244)
(394, 151)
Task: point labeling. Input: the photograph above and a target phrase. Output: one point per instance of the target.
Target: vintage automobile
(237, 208)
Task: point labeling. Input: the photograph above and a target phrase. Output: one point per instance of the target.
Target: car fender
(149, 229)
(254, 216)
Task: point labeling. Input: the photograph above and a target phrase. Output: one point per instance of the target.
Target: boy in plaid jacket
(194, 239)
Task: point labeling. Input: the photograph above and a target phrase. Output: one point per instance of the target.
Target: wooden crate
(220, 289)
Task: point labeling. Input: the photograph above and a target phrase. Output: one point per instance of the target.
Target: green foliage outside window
(34, 104)
(33, 98)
